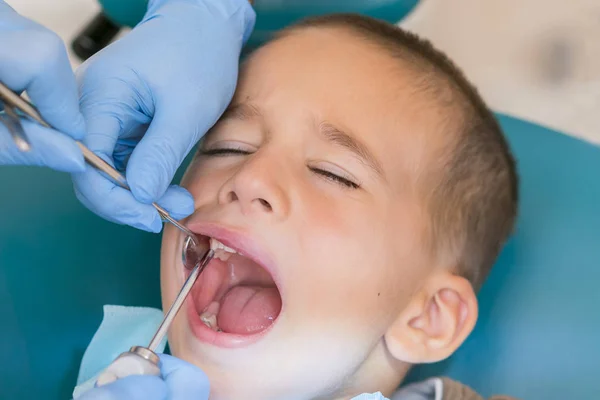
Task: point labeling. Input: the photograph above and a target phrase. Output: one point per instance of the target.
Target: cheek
(352, 291)
(363, 262)
(347, 273)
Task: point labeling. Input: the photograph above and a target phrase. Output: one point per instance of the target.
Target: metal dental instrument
(11, 120)
(179, 299)
(13, 102)
(143, 360)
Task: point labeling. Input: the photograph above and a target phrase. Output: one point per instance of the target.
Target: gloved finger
(184, 380)
(54, 92)
(134, 387)
(43, 69)
(173, 132)
(110, 111)
(113, 203)
(104, 115)
(111, 108)
(48, 148)
(177, 201)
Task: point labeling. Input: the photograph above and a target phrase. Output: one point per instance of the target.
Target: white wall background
(535, 59)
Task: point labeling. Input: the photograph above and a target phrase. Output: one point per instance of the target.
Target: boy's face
(312, 172)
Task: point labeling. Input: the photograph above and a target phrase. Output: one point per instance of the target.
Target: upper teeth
(215, 245)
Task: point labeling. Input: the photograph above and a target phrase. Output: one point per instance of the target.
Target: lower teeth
(209, 316)
(211, 321)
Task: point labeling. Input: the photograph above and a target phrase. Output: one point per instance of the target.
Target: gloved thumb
(184, 380)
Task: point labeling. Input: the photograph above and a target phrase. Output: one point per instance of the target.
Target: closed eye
(336, 178)
(241, 151)
(224, 152)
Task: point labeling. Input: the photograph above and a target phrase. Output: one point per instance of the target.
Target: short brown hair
(472, 192)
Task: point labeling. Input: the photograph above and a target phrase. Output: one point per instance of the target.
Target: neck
(380, 372)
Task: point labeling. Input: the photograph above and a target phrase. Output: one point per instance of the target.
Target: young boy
(367, 190)
(359, 191)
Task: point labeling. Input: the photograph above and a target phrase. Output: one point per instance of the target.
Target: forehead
(337, 76)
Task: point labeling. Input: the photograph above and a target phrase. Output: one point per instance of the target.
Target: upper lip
(239, 241)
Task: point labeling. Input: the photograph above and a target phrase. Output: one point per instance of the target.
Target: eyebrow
(347, 141)
(242, 111)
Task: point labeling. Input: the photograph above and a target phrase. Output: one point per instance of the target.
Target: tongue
(248, 309)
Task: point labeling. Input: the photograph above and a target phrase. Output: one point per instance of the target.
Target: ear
(436, 322)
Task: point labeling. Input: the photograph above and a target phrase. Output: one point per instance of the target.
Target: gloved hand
(148, 98)
(180, 381)
(33, 58)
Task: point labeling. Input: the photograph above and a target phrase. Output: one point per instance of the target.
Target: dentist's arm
(148, 98)
(179, 381)
(34, 59)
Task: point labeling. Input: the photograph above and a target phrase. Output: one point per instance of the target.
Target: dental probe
(143, 360)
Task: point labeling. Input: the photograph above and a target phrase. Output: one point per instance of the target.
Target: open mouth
(235, 299)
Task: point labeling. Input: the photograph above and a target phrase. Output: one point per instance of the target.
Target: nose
(258, 187)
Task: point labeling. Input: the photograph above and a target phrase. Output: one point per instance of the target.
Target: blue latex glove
(148, 98)
(34, 59)
(180, 381)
